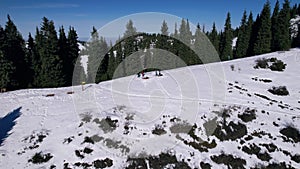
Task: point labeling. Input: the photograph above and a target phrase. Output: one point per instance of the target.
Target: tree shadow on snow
(7, 123)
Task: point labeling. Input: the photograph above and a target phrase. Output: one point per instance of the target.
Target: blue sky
(85, 14)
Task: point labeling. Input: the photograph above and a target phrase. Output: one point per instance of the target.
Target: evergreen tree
(79, 75)
(249, 32)
(183, 46)
(130, 45)
(14, 51)
(6, 73)
(243, 38)
(275, 28)
(63, 49)
(73, 54)
(164, 28)
(162, 42)
(111, 63)
(51, 63)
(284, 26)
(262, 43)
(176, 31)
(184, 41)
(97, 49)
(30, 60)
(202, 47)
(203, 28)
(226, 41)
(293, 12)
(221, 37)
(130, 29)
(119, 51)
(188, 31)
(183, 32)
(214, 38)
(2, 38)
(102, 73)
(37, 45)
(235, 32)
(253, 37)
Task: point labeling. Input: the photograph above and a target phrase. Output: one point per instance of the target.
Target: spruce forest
(48, 58)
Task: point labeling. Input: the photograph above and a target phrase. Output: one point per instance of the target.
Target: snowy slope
(120, 116)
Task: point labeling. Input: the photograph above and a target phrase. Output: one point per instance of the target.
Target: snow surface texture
(134, 117)
(84, 62)
(234, 40)
(84, 58)
(295, 22)
(81, 46)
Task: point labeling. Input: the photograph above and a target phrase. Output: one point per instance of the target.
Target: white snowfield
(60, 124)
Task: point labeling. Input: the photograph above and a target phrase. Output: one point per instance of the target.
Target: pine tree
(226, 41)
(243, 38)
(130, 45)
(296, 41)
(214, 38)
(183, 42)
(164, 28)
(199, 45)
(51, 63)
(97, 49)
(176, 31)
(183, 32)
(249, 32)
(253, 36)
(130, 29)
(37, 45)
(2, 38)
(203, 48)
(188, 31)
(30, 60)
(162, 42)
(293, 11)
(203, 28)
(14, 51)
(6, 73)
(102, 73)
(79, 75)
(119, 51)
(111, 63)
(275, 28)
(73, 55)
(235, 32)
(284, 26)
(63, 49)
(264, 35)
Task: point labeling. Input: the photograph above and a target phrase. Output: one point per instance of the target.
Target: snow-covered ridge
(133, 117)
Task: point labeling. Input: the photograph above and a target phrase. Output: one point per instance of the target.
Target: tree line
(48, 59)
(269, 32)
(112, 61)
